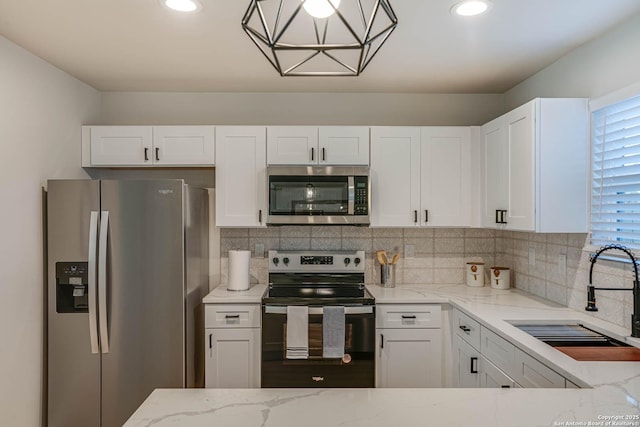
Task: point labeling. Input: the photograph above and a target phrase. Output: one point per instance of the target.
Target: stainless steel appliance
(337, 195)
(317, 280)
(127, 270)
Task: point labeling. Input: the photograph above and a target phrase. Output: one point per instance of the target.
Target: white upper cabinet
(308, 145)
(117, 145)
(395, 176)
(134, 146)
(445, 183)
(421, 176)
(241, 185)
(292, 145)
(534, 169)
(343, 145)
(184, 145)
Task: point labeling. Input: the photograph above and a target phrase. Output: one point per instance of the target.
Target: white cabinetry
(409, 346)
(134, 146)
(534, 167)
(241, 185)
(482, 358)
(232, 346)
(421, 176)
(327, 145)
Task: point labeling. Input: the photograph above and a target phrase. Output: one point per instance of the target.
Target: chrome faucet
(591, 290)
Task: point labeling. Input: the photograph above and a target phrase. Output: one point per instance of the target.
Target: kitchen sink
(581, 343)
(570, 335)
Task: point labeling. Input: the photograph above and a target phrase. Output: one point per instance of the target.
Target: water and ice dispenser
(72, 282)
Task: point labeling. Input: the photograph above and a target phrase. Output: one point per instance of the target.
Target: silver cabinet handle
(157, 154)
(91, 291)
(415, 216)
(426, 215)
(102, 281)
(146, 154)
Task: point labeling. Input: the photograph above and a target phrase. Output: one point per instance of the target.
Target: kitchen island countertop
(611, 398)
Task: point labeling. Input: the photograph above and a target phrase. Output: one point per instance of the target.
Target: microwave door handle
(352, 195)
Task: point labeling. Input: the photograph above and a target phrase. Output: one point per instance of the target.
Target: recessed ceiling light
(470, 7)
(182, 5)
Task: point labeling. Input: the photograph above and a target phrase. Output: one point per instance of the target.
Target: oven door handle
(282, 309)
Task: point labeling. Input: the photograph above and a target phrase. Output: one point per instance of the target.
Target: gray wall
(594, 69)
(41, 111)
(299, 108)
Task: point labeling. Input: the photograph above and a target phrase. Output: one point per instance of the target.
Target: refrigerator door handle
(93, 320)
(102, 281)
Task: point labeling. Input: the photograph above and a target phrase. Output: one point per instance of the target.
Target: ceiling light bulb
(183, 5)
(320, 8)
(470, 8)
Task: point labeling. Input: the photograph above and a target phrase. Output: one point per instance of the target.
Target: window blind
(615, 197)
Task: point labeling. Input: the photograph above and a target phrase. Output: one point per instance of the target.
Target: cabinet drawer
(408, 316)
(498, 350)
(232, 316)
(533, 374)
(467, 328)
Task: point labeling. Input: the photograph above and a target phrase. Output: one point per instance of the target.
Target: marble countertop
(221, 295)
(613, 398)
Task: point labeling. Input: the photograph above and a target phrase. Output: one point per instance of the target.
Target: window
(615, 195)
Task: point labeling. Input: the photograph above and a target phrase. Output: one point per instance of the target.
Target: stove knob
(356, 261)
(276, 261)
(285, 260)
(347, 260)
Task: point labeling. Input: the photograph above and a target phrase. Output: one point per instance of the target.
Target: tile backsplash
(551, 266)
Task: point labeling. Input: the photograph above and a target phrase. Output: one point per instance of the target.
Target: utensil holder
(388, 275)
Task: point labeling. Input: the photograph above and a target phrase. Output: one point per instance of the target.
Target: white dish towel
(297, 332)
(333, 332)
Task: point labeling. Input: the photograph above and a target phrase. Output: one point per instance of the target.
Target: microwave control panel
(361, 200)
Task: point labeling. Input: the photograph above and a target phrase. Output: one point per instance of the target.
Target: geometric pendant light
(319, 37)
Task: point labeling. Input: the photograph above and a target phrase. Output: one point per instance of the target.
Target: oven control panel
(316, 261)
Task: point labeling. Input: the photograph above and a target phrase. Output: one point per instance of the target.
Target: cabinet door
(520, 139)
(466, 364)
(492, 377)
(292, 145)
(395, 176)
(240, 176)
(409, 358)
(232, 358)
(493, 171)
(343, 145)
(445, 184)
(183, 145)
(121, 145)
(532, 373)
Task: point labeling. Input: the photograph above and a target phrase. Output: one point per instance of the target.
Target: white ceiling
(138, 45)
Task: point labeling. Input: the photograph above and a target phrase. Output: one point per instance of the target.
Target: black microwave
(329, 195)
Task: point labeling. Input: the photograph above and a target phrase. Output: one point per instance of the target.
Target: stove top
(317, 278)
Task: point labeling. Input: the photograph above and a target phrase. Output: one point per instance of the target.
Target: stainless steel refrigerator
(127, 271)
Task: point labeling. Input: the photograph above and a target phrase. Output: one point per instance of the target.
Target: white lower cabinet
(409, 344)
(232, 346)
(482, 358)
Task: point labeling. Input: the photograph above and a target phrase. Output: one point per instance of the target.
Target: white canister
(475, 274)
(239, 270)
(500, 278)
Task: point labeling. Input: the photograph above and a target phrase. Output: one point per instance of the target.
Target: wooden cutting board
(602, 354)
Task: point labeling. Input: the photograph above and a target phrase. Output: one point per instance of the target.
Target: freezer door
(73, 381)
(145, 298)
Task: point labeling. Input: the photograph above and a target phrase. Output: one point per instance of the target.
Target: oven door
(356, 369)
